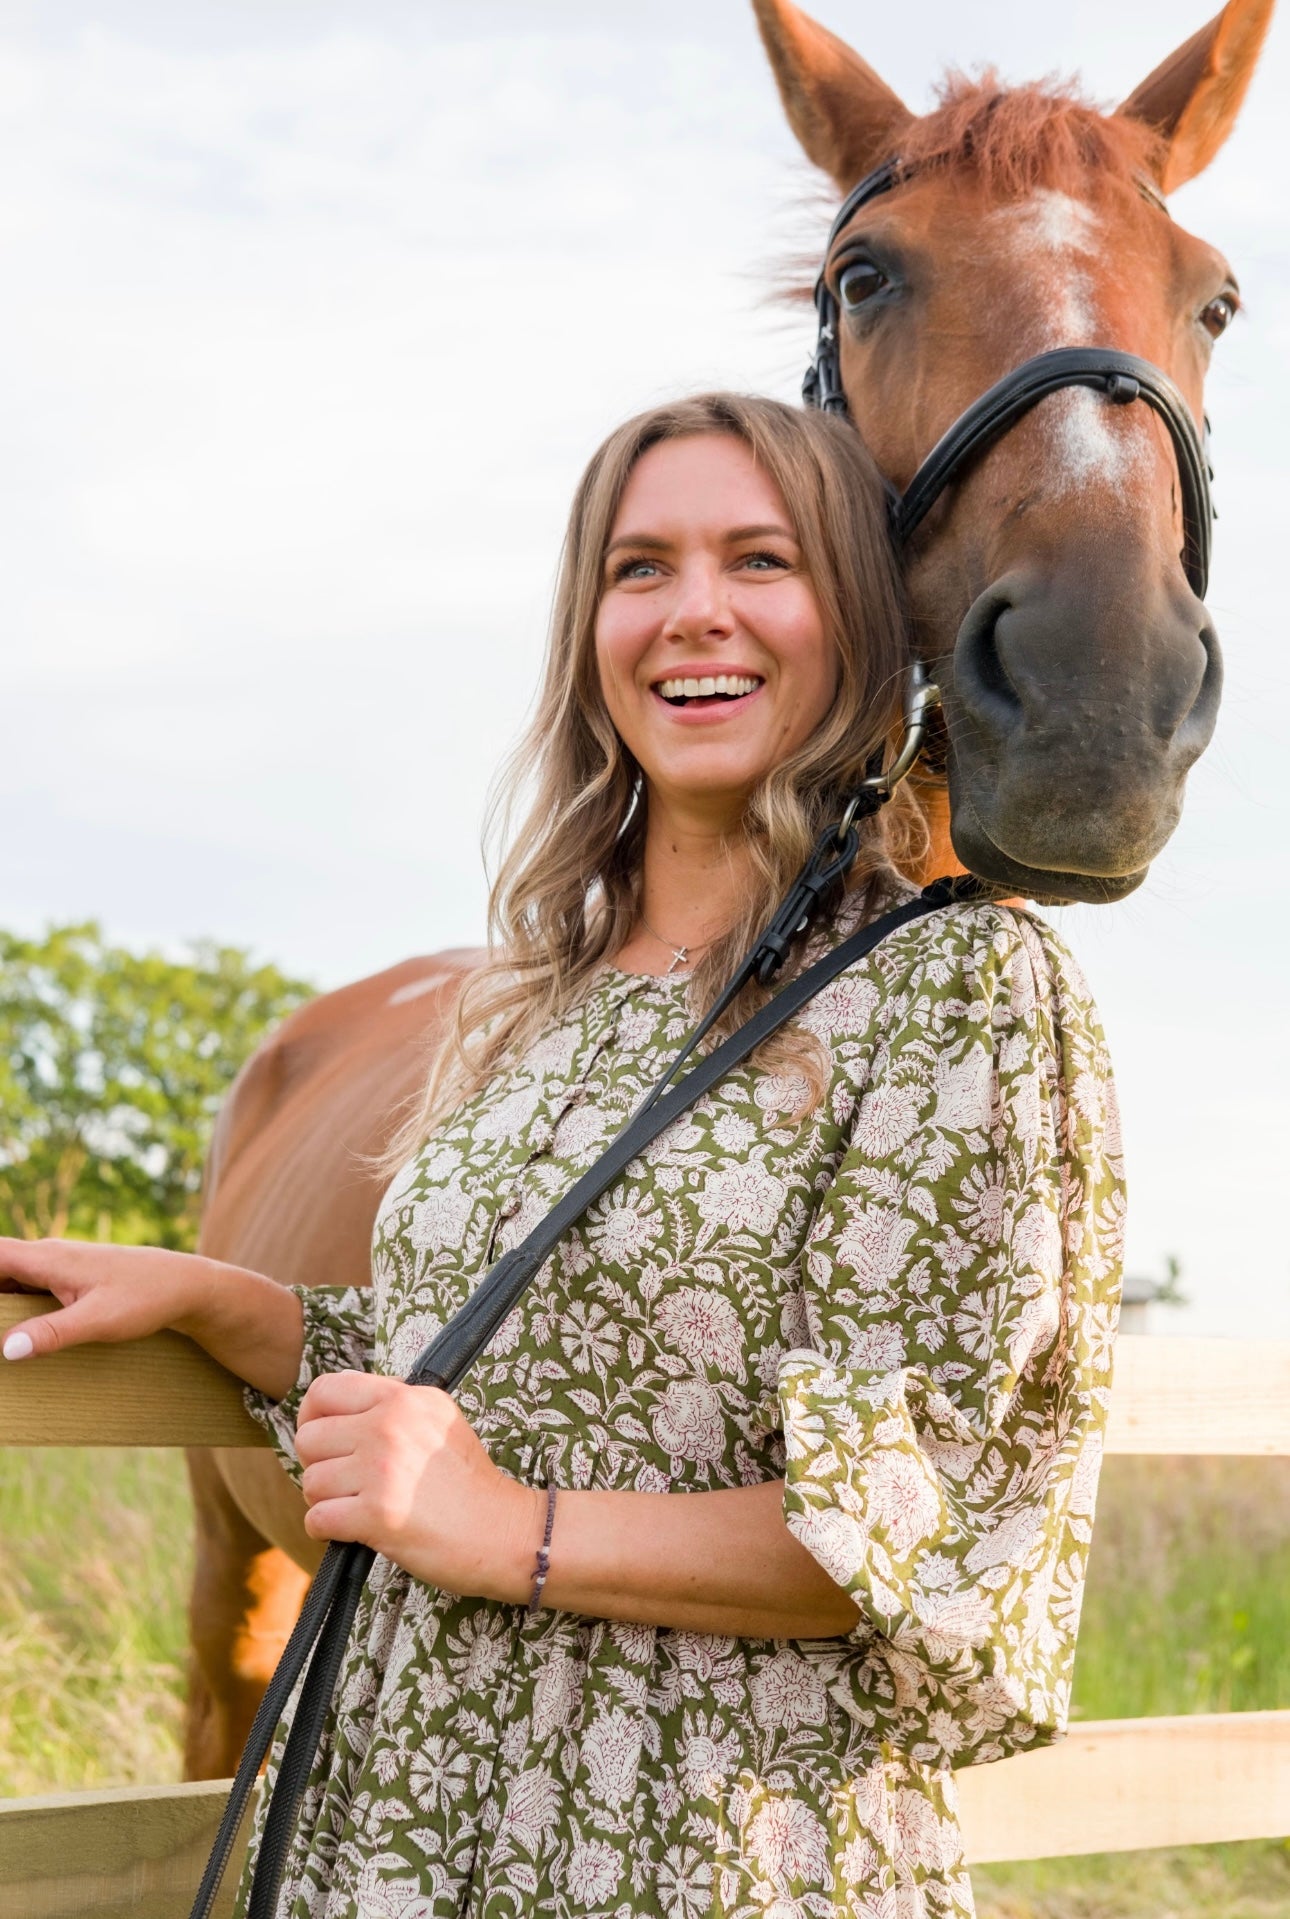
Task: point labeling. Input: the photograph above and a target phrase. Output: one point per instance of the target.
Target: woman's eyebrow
(761, 533)
(638, 539)
(734, 534)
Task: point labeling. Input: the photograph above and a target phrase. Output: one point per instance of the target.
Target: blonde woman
(818, 1386)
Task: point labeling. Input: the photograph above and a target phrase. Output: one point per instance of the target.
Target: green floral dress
(902, 1304)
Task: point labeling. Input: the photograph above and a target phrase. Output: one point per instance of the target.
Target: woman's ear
(1192, 99)
(847, 120)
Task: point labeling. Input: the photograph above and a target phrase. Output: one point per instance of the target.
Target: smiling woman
(769, 1501)
(664, 819)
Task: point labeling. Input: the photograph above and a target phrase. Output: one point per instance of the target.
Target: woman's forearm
(250, 1324)
(719, 1562)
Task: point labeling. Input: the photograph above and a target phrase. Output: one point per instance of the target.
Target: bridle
(1121, 377)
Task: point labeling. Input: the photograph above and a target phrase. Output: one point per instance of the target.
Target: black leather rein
(1121, 377)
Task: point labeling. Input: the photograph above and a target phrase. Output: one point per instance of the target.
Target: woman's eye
(633, 570)
(766, 560)
(1218, 315)
(859, 282)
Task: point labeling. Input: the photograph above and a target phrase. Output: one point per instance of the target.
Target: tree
(113, 1065)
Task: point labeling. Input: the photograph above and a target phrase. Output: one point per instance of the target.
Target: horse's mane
(1012, 141)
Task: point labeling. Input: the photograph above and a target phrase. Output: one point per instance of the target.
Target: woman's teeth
(731, 686)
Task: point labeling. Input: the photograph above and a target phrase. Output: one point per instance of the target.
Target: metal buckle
(922, 696)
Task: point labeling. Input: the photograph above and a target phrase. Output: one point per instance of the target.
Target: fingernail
(18, 1346)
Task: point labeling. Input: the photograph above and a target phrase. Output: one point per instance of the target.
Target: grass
(95, 1559)
(1188, 1610)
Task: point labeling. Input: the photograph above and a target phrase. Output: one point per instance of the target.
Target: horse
(1078, 669)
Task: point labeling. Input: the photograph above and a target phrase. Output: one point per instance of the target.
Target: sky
(314, 313)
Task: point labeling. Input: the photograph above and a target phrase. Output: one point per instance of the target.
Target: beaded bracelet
(543, 1566)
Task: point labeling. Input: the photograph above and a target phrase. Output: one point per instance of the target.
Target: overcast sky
(313, 314)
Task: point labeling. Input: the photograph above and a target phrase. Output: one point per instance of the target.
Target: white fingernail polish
(18, 1346)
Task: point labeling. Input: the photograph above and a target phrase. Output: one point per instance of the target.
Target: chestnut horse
(1079, 672)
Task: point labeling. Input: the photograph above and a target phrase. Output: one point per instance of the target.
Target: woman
(820, 1382)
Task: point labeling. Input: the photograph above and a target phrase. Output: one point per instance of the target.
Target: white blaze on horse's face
(1056, 242)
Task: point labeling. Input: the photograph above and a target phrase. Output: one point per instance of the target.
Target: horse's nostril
(981, 679)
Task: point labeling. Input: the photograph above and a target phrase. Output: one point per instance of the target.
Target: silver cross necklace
(680, 954)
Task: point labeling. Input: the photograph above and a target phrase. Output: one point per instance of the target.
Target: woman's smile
(707, 694)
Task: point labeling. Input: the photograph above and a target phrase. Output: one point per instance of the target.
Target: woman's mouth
(718, 689)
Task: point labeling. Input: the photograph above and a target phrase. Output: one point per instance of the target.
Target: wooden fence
(1114, 1786)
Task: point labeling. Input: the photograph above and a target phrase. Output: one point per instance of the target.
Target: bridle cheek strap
(1121, 377)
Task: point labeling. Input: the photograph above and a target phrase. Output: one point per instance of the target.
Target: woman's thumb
(46, 1333)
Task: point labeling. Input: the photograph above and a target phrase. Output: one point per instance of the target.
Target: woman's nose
(700, 602)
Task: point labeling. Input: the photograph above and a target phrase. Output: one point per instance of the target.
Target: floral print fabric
(902, 1305)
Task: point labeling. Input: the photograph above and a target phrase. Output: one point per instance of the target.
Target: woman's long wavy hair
(568, 891)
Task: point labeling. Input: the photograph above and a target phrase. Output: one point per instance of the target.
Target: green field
(1188, 1610)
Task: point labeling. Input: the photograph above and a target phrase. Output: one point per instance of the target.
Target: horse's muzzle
(1074, 711)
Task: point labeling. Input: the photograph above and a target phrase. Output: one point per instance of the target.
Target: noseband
(1121, 377)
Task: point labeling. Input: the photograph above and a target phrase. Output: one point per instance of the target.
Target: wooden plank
(1200, 1396)
(136, 1853)
(1170, 1395)
(1119, 1785)
(163, 1391)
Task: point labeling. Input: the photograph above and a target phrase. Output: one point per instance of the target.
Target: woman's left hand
(400, 1468)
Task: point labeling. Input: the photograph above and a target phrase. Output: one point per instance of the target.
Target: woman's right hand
(250, 1324)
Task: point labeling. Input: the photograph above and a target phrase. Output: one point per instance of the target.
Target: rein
(1121, 377)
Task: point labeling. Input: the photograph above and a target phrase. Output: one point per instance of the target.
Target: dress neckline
(645, 979)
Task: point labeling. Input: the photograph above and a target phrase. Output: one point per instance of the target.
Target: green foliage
(113, 1065)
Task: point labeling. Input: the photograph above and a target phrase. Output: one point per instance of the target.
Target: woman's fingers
(51, 1332)
(338, 1478)
(344, 1394)
(336, 1519)
(334, 1437)
(29, 1265)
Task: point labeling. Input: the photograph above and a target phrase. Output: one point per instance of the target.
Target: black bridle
(1121, 377)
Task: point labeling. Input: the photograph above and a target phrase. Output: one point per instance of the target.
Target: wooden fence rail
(1171, 1395)
(1119, 1785)
(138, 1854)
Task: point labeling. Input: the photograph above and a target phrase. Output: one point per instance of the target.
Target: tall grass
(1188, 1600)
(95, 1559)
(1188, 1610)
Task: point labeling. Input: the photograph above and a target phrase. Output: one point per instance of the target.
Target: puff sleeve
(340, 1334)
(943, 1431)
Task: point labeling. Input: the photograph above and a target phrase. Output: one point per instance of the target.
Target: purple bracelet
(543, 1566)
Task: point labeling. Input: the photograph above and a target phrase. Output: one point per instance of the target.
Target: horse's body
(290, 1191)
(1079, 672)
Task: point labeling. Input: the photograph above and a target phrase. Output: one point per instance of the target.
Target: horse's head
(1079, 672)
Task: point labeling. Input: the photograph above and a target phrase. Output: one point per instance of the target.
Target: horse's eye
(859, 281)
(1218, 315)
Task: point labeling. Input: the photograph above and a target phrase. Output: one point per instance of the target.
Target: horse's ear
(846, 118)
(1192, 99)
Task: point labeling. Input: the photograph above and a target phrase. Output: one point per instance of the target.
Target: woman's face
(714, 662)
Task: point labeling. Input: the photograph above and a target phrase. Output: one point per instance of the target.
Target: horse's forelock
(1013, 140)
(1009, 141)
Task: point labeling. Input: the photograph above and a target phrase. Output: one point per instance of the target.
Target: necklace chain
(680, 954)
